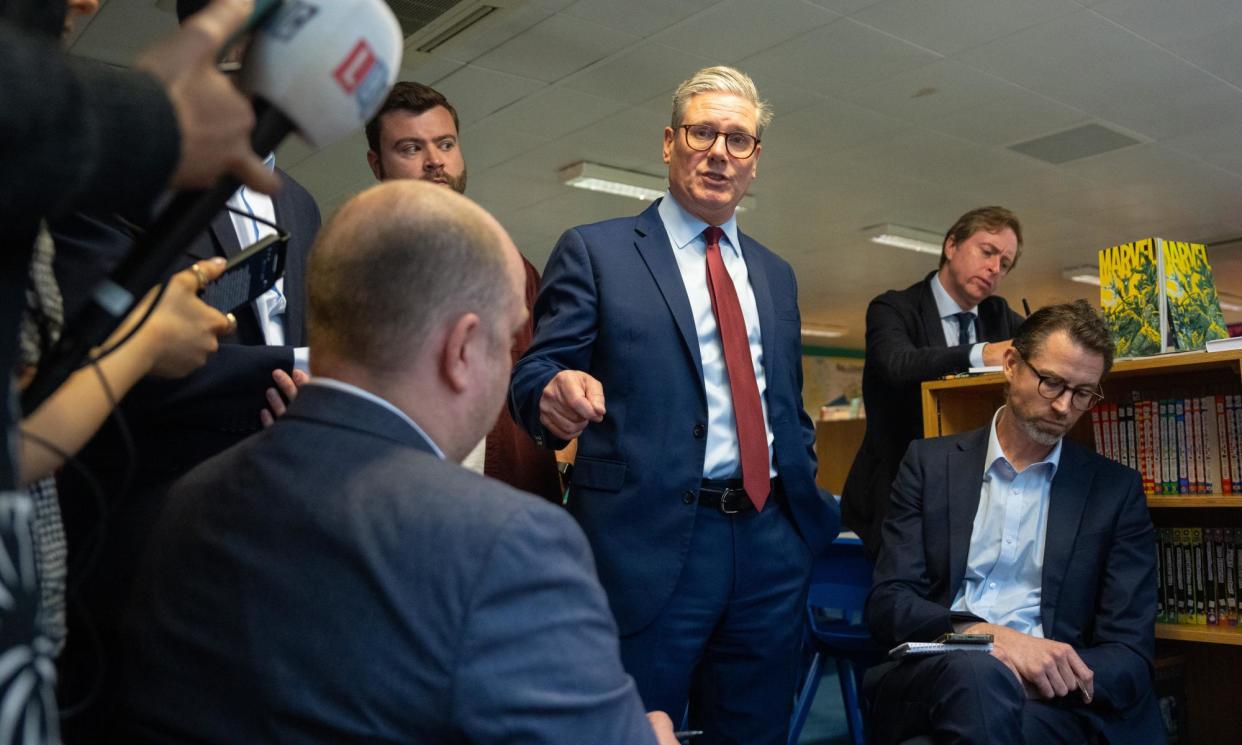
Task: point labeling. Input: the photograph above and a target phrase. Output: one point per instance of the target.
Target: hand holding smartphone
(248, 275)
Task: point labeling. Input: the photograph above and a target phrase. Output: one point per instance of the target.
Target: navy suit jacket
(613, 305)
(905, 346)
(1098, 581)
(331, 580)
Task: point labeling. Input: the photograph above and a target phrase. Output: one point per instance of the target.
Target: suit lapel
(757, 269)
(964, 477)
(932, 325)
(295, 269)
(652, 243)
(1066, 503)
(225, 234)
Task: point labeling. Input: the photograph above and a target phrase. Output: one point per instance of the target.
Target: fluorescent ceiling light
(1086, 274)
(899, 236)
(608, 180)
(825, 331)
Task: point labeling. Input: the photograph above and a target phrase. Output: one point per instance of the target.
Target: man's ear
(377, 166)
(461, 351)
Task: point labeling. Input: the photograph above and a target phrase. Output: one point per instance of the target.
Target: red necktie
(752, 437)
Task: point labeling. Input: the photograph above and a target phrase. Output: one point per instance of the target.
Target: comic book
(1193, 305)
(1158, 295)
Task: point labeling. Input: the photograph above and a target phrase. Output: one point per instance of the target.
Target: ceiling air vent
(427, 24)
(1072, 144)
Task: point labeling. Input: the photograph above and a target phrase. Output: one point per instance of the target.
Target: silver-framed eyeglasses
(703, 137)
(1052, 387)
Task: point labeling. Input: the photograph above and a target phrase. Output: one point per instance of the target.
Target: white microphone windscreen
(325, 64)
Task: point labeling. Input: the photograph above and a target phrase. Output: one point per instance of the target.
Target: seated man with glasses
(1017, 531)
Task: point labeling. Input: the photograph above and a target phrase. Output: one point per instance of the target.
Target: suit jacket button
(699, 431)
(687, 498)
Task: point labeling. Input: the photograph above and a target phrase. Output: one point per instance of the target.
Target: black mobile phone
(964, 639)
(248, 275)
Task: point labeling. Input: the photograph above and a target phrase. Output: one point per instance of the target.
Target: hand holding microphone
(213, 117)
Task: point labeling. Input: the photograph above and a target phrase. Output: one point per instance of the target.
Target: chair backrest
(841, 580)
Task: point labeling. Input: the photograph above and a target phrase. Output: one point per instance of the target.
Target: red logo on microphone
(357, 65)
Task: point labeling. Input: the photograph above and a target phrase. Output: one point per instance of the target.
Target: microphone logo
(364, 76)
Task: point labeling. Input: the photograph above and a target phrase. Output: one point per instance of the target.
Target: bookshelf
(1213, 654)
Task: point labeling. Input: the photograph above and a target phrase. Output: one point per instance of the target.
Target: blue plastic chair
(840, 581)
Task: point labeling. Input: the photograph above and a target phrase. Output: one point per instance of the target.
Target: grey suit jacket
(330, 580)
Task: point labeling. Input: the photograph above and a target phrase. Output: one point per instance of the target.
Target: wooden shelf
(1155, 501)
(1195, 633)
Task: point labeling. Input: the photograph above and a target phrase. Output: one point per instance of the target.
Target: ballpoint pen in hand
(686, 734)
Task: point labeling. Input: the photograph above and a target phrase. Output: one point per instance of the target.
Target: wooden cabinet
(1213, 654)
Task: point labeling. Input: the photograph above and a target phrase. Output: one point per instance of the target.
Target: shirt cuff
(976, 354)
(301, 359)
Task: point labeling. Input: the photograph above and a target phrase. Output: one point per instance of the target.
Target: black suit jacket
(174, 424)
(905, 346)
(1099, 574)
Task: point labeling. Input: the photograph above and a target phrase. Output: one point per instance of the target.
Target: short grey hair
(721, 79)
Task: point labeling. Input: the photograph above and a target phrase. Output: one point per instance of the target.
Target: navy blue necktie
(964, 320)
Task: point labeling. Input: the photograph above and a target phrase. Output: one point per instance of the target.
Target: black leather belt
(728, 496)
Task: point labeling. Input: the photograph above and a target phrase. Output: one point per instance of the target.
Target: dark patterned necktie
(964, 321)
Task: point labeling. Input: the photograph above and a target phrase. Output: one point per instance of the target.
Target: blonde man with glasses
(1016, 531)
(668, 343)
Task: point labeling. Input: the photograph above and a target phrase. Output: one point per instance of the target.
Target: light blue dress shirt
(948, 308)
(1004, 567)
(685, 234)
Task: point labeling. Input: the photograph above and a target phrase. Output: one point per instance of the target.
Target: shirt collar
(995, 452)
(945, 305)
(684, 228)
(369, 396)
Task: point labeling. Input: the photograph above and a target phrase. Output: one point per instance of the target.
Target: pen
(1026, 306)
(686, 734)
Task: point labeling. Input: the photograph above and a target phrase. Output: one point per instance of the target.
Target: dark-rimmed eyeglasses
(702, 137)
(1052, 387)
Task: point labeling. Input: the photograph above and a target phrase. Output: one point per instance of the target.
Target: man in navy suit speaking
(669, 345)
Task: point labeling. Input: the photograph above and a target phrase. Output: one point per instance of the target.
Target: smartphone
(248, 275)
(965, 639)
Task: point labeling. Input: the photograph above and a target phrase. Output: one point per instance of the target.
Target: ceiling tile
(477, 92)
(950, 26)
(934, 91)
(488, 143)
(844, 7)
(427, 69)
(825, 126)
(1007, 119)
(838, 57)
(494, 30)
(715, 33)
(555, 48)
(640, 17)
(1132, 83)
(638, 73)
(554, 112)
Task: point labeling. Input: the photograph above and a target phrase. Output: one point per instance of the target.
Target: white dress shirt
(685, 233)
(270, 306)
(354, 390)
(1004, 567)
(948, 309)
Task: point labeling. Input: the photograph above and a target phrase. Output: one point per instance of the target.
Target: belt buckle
(724, 498)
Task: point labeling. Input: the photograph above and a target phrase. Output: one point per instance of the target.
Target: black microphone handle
(148, 263)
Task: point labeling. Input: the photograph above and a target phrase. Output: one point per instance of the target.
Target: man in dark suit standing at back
(415, 135)
(949, 322)
(338, 577)
(670, 345)
(1015, 530)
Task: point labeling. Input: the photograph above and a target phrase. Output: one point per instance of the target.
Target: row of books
(1197, 575)
(1180, 445)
